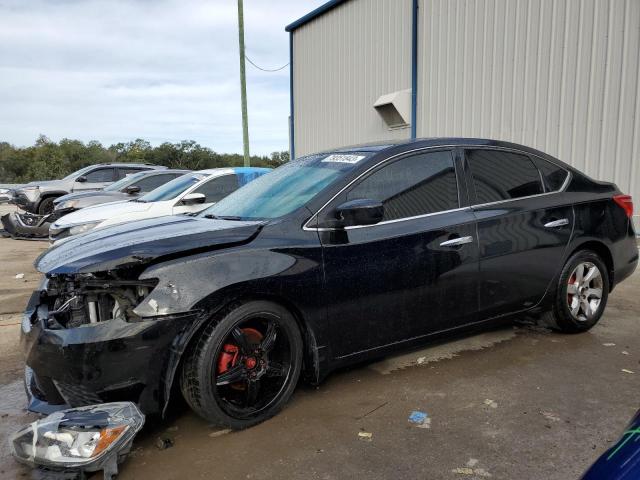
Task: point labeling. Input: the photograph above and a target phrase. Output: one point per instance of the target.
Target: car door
(524, 228)
(95, 179)
(413, 273)
(214, 190)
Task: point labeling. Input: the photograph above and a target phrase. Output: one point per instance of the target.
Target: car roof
(402, 145)
(228, 170)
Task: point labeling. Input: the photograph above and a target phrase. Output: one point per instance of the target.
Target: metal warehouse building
(562, 76)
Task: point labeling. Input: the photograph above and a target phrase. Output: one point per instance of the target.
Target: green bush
(47, 160)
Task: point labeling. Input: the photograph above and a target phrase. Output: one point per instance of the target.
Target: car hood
(42, 184)
(98, 213)
(92, 193)
(143, 242)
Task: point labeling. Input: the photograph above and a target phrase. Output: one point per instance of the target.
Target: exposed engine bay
(82, 299)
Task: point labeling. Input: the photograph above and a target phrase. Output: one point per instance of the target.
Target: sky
(162, 70)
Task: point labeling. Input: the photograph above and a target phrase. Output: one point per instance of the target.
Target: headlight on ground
(85, 227)
(87, 438)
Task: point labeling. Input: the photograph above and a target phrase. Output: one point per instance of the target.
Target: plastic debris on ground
(609, 344)
(19, 275)
(420, 419)
(624, 370)
(163, 442)
(490, 403)
(471, 469)
(219, 433)
(80, 440)
(550, 416)
(365, 436)
(624, 352)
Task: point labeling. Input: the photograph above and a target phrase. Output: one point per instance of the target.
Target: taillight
(626, 203)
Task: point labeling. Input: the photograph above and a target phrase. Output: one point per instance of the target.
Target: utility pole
(243, 87)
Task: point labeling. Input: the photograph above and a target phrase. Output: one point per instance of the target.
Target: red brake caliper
(570, 295)
(230, 354)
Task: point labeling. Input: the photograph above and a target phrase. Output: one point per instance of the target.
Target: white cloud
(115, 70)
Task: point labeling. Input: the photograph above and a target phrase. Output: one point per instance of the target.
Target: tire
(570, 291)
(244, 366)
(46, 206)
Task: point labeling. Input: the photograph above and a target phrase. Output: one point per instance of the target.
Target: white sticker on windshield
(343, 158)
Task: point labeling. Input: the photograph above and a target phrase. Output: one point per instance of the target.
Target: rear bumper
(104, 362)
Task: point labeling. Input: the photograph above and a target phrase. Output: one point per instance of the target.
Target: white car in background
(189, 193)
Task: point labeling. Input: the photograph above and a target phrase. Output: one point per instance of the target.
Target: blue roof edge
(322, 9)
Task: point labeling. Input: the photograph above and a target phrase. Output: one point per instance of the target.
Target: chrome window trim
(562, 188)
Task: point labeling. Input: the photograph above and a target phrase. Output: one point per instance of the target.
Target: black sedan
(331, 259)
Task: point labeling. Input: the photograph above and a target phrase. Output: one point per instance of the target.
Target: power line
(266, 69)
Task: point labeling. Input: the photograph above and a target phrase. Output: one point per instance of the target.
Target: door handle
(454, 242)
(557, 223)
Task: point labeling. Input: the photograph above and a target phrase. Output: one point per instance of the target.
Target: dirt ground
(512, 403)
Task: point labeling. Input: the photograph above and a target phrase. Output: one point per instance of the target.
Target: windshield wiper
(222, 217)
(139, 200)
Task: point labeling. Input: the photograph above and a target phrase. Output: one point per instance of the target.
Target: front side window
(152, 182)
(172, 189)
(412, 186)
(124, 182)
(100, 175)
(500, 175)
(124, 171)
(216, 189)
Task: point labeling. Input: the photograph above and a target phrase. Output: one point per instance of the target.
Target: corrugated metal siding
(342, 62)
(558, 75)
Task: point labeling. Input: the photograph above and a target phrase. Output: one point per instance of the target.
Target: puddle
(442, 352)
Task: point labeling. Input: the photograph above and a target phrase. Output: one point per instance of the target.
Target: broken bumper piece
(83, 440)
(26, 225)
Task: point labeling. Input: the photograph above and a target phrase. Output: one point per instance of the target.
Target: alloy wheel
(252, 367)
(584, 291)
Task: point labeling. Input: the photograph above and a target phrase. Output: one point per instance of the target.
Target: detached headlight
(85, 227)
(66, 204)
(87, 438)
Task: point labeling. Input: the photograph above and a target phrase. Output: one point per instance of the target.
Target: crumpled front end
(84, 344)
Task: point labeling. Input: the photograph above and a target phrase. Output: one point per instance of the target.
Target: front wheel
(244, 366)
(46, 206)
(581, 294)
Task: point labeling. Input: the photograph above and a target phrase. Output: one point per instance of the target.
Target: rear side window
(553, 175)
(154, 181)
(218, 188)
(100, 175)
(412, 186)
(499, 175)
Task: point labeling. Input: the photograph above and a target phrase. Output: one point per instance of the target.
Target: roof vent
(395, 108)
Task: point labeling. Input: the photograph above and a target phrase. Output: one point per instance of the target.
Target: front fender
(208, 282)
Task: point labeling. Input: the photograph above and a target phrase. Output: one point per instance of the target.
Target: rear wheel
(581, 294)
(245, 365)
(46, 206)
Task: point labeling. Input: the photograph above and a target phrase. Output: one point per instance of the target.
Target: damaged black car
(332, 259)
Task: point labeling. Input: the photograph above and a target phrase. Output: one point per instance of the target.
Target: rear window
(553, 175)
(500, 175)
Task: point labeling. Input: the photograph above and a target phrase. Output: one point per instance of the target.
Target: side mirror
(193, 199)
(81, 179)
(132, 189)
(360, 212)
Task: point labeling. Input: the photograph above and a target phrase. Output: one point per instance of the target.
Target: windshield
(286, 189)
(172, 189)
(125, 182)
